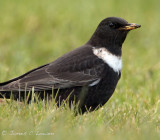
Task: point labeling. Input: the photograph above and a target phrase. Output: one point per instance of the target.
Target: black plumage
(79, 74)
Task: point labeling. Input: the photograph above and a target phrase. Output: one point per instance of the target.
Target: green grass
(35, 32)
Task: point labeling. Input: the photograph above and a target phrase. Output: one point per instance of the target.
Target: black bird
(88, 75)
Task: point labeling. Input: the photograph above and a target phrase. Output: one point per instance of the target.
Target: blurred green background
(35, 32)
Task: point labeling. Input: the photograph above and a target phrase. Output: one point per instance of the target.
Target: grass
(36, 32)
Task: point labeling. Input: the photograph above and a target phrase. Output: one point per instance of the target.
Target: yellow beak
(129, 27)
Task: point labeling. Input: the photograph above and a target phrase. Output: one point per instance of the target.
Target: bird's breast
(113, 61)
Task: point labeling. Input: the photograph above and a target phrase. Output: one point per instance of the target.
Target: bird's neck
(113, 45)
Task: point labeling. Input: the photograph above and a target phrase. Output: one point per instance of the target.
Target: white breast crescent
(115, 62)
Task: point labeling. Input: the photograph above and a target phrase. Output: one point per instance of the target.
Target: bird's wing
(79, 67)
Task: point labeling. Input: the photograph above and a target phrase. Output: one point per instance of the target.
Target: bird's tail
(5, 92)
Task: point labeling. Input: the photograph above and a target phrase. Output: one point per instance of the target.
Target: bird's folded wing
(75, 69)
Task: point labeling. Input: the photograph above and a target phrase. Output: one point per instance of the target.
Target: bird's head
(111, 33)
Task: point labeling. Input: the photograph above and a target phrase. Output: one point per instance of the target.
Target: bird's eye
(112, 25)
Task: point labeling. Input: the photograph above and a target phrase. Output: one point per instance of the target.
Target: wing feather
(79, 67)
